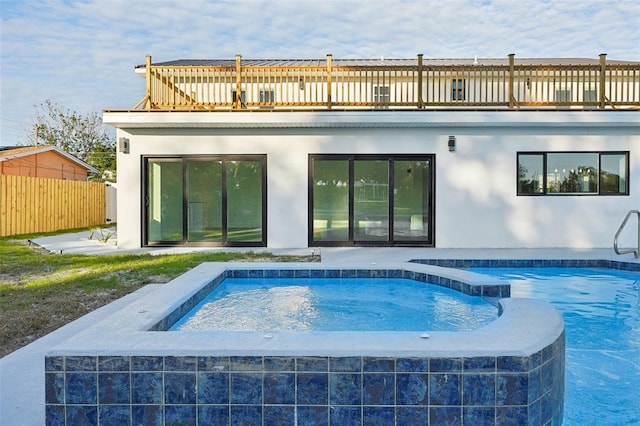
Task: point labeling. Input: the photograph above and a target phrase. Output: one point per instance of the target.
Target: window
(590, 96)
(530, 174)
(457, 90)
(613, 173)
(267, 96)
(381, 96)
(573, 173)
(243, 96)
(371, 200)
(562, 97)
(205, 200)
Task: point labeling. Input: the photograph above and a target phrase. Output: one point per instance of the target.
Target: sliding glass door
(164, 200)
(245, 201)
(371, 200)
(205, 201)
(412, 199)
(330, 184)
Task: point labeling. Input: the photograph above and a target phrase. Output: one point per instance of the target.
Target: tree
(82, 136)
(103, 158)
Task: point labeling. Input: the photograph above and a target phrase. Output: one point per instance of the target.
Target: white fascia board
(369, 119)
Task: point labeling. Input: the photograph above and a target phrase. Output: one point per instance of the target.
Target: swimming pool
(601, 312)
(127, 370)
(336, 304)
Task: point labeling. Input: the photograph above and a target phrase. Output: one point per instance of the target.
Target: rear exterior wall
(476, 200)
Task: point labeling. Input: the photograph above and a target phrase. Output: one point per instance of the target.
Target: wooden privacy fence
(33, 205)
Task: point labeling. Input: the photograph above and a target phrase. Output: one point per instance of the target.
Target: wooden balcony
(404, 84)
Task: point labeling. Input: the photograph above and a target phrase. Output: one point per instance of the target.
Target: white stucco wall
(486, 212)
(476, 201)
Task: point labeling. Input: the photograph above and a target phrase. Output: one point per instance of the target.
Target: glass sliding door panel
(371, 200)
(330, 200)
(411, 180)
(164, 201)
(204, 200)
(244, 201)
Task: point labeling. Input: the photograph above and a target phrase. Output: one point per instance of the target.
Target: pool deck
(22, 372)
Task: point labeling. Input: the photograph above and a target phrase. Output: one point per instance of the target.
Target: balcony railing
(402, 84)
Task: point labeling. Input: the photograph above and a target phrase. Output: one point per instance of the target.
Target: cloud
(81, 54)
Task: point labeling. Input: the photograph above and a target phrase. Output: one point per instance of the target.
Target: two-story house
(445, 153)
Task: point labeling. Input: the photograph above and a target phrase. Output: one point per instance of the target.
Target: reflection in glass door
(244, 201)
(204, 198)
(411, 200)
(164, 200)
(371, 200)
(205, 201)
(330, 200)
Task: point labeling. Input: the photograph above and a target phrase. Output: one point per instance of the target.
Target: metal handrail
(636, 252)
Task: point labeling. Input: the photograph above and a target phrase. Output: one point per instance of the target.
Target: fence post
(511, 79)
(329, 61)
(420, 102)
(148, 77)
(603, 69)
(238, 103)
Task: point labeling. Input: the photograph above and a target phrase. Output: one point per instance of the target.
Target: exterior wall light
(123, 145)
(452, 143)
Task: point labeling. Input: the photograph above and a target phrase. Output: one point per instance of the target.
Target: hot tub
(127, 370)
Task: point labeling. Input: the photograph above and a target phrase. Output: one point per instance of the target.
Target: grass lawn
(40, 291)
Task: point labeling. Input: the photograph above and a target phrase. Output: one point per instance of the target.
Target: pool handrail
(636, 251)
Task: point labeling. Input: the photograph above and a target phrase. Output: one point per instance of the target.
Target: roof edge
(46, 148)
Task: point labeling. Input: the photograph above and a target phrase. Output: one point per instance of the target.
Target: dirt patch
(39, 314)
(158, 279)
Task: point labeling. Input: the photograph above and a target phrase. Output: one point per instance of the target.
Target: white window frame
(267, 96)
(381, 95)
(458, 89)
(562, 94)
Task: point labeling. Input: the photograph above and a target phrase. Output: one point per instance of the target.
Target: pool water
(336, 304)
(602, 319)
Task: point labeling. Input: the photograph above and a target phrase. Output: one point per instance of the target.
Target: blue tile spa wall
(280, 390)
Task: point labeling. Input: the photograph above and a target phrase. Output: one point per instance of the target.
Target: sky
(81, 54)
